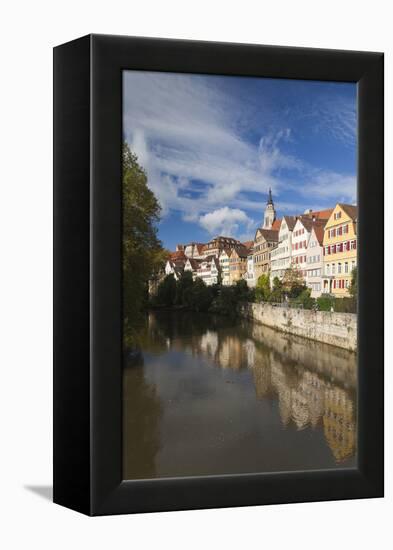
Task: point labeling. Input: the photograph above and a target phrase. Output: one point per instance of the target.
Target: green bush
(345, 305)
(304, 299)
(325, 302)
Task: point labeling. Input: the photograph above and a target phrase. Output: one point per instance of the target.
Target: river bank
(336, 329)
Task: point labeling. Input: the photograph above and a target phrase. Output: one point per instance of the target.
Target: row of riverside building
(322, 245)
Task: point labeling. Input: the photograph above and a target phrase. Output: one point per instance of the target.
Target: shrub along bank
(197, 296)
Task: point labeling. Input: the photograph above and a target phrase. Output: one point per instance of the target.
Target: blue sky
(213, 145)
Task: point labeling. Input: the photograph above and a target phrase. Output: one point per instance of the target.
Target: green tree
(262, 289)
(241, 290)
(198, 297)
(142, 250)
(293, 282)
(182, 285)
(226, 302)
(353, 289)
(167, 291)
(277, 292)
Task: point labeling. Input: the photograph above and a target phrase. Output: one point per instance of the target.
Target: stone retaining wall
(337, 329)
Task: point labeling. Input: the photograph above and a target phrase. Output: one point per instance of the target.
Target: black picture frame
(87, 274)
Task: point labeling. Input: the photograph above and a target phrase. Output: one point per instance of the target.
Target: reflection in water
(142, 411)
(277, 402)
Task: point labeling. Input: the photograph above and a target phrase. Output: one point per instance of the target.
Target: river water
(210, 396)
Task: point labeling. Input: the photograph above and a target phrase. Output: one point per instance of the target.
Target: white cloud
(185, 129)
(226, 221)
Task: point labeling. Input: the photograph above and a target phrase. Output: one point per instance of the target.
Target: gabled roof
(241, 251)
(194, 263)
(319, 232)
(270, 234)
(276, 225)
(248, 244)
(350, 210)
(290, 221)
(309, 223)
(199, 247)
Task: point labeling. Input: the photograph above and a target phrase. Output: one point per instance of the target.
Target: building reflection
(313, 384)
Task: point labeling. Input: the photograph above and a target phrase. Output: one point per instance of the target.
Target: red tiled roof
(178, 255)
(248, 244)
(276, 225)
(320, 214)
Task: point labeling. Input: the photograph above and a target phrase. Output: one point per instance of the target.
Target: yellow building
(237, 264)
(340, 250)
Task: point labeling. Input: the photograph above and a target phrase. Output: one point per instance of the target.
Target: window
(327, 269)
(333, 268)
(346, 267)
(339, 267)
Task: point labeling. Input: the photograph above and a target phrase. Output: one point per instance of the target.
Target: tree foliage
(293, 283)
(262, 289)
(142, 250)
(353, 289)
(167, 291)
(183, 284)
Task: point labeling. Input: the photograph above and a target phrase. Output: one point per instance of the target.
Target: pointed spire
(270, 198)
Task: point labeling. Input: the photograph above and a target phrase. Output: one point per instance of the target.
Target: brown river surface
(210, 396)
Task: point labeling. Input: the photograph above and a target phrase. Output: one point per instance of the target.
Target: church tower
(270, 213)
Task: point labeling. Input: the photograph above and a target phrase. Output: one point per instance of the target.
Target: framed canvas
(218, 275)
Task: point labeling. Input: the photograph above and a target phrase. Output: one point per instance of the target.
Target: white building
(281, 256)
(172, 269)
(300, 236)
(224, 266)
(314, 270)
(209, 270)
(193, 266)
(249, 275)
